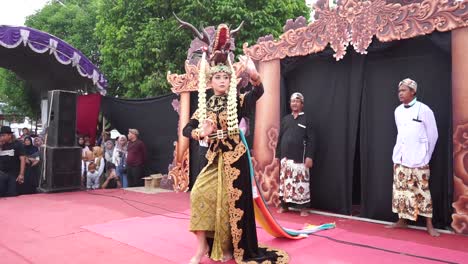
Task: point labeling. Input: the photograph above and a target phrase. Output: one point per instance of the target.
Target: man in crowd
(12, 162)
(136, 157)
(110, 180)
(295, 150)
(415, 143)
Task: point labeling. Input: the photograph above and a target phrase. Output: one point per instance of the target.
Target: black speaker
(61, 131)
(61, 169)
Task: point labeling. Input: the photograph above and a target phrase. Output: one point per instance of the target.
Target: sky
(14, 12)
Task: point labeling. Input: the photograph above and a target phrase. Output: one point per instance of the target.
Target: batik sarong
(294, 182)
(209, 208)
(411, 195)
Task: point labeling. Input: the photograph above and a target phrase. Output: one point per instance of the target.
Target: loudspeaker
(61, 169)
(61, 131)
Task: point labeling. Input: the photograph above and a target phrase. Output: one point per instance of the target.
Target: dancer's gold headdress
(217, 56)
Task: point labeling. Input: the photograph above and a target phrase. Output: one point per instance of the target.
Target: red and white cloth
(294, 182)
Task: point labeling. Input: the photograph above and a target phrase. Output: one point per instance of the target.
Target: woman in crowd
(31, 172)
(99, 160)
(81, 143)
(119, 157)
(38, 142)
(88, 158)
(109, 150)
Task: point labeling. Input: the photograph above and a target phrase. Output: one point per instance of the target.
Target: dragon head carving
(217, 43)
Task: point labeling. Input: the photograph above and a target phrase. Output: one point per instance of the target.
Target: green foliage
(136, 42)
(73, 22)
(19, 100)
(140, 41)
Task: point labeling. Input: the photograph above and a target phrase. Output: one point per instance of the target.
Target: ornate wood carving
(357, 22)
(460, 169)
(267, 176)
(184, 82)
(180, 172)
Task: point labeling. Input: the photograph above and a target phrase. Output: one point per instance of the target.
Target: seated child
(92, 177)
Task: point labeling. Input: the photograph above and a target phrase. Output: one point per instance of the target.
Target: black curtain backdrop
(197, 153)
(155, 119)
(351, 104)
(332, 97)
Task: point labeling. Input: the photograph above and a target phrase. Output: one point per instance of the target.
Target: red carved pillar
(460, 128)
(267, 119)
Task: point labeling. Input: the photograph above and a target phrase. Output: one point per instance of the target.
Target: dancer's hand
(207, 128)
(249, 67)
(309, 163)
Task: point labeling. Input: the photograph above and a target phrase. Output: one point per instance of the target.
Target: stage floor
(121, 226)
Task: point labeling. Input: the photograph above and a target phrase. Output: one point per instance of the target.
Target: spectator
(105, 136)
(136, 157)
(99, 160)
(111, 179)
(12, 162)
(24, 133)
(31, 172)
(119, 158)
(81, 143)
(109, 150)
(295, 152)
(92, 177)
(415, 143)
(38, 142)
(87, 159)
(3, 176)
(87, 142)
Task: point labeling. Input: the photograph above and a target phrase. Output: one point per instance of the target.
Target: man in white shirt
(416, 139)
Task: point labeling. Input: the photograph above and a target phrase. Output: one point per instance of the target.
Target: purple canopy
(41, 42)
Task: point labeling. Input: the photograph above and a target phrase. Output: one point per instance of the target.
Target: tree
(139, 40)
(135, 43)
(19, 100)
(71, 20)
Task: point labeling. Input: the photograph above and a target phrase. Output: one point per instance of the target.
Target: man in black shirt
(295, 150)
(12, 162)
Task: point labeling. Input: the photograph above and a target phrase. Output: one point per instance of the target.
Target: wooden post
(460, 128)
(267, 118)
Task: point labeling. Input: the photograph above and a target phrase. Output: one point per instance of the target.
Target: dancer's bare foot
(282, 210)
(227, 257)
(199, 255)
(401, 223)
(195, 260)
(304, 212)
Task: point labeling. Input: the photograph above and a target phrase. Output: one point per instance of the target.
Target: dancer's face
(220, 83)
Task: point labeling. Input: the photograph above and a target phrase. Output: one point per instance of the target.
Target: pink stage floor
(117, 226)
